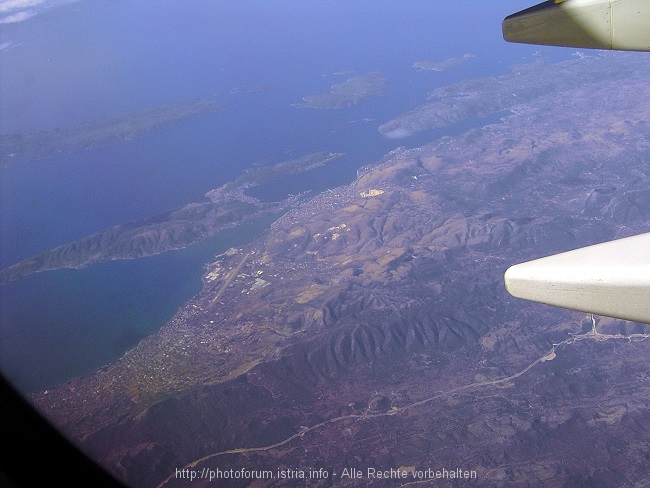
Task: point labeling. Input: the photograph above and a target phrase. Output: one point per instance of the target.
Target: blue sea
(89, 60)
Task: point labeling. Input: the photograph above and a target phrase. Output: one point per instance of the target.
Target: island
(98, 133)
(266, 173)
(444, 65)
(174, 229)
(349, 93)
(369, 328)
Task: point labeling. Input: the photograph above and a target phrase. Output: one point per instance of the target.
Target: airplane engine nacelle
(598, 24)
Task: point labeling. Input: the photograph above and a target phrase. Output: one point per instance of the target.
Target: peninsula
(175, 229)
(481, 97)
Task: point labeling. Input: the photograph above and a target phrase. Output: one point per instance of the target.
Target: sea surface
(91, 60)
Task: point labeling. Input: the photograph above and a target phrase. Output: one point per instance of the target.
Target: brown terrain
(369, 328)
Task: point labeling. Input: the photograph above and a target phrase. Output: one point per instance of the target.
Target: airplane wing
(599, 24)
(613, 278)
